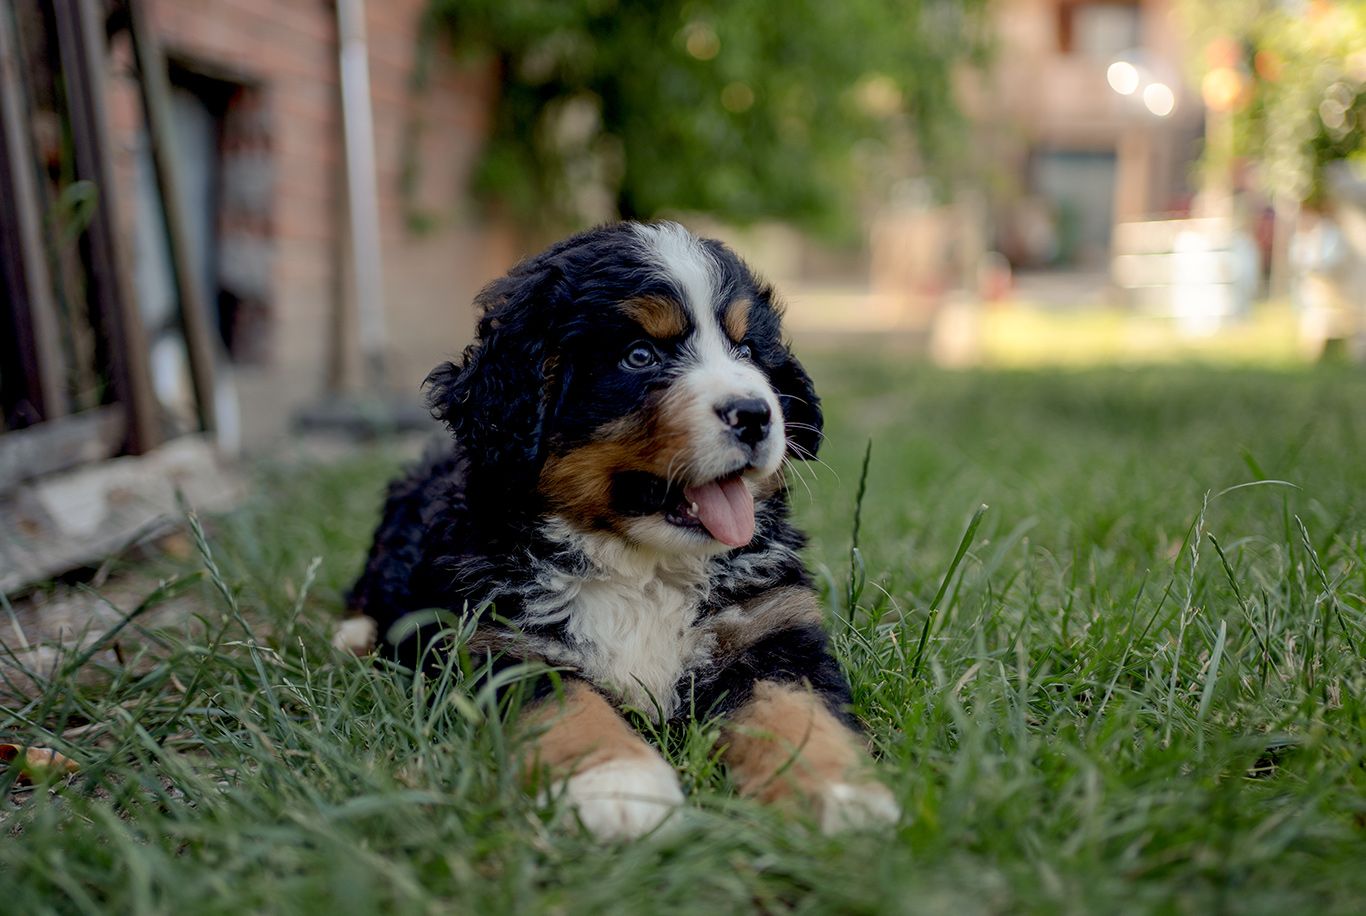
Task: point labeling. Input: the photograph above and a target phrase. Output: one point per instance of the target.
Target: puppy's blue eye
(745, 352)
(640, 356)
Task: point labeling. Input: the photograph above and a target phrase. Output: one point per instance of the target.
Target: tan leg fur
(617, 784)
(784, 747)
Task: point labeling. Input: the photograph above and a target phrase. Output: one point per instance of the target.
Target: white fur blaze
(681, 256)
(714, 375)
(624, 799)
(857, 806)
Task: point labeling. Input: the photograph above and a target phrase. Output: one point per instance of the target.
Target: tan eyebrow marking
(660, 317)
(736, 318)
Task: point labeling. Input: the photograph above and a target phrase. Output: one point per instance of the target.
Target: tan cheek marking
(659, 317)
(578, 483)
(578, 734)
(784, 746)
(736, 319)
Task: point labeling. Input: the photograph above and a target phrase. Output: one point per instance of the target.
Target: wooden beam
(194, 312)
(81, 47)
(37, 348)
(58, 445)
(67, 521)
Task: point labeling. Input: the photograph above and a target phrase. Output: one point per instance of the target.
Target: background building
(1074, 155)
(255, 90)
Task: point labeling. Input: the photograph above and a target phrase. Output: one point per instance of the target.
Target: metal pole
(362, 192)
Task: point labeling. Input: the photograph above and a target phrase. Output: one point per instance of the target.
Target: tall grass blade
(1330, 592)
(963, 545)
(857, 569)
(1212, 676)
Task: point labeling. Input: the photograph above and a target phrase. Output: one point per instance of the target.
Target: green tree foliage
(746, 110)
(1293, 77)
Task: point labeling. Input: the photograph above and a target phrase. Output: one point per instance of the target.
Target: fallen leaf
(37, 763)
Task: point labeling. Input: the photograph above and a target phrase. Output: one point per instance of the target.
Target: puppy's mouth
(724, 508)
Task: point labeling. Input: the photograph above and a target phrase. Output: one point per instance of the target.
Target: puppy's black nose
(747, 418)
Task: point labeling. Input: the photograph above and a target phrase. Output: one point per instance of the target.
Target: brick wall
(287, 51)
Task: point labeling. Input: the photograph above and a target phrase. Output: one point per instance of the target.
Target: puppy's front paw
(856, 806)
(356, 635)
(623, 799)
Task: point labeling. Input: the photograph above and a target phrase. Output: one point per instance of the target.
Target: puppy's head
(632, 380)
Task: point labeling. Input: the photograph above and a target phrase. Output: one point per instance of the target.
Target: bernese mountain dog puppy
(612, 505)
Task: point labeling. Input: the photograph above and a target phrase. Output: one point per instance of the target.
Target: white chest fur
(631, 621)
(637, 638)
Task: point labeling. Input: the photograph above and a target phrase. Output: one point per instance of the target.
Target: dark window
(1099, 31)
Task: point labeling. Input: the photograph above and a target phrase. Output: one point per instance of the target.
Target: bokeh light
(1123, 77)
(702, 41)
(1159, 99)
(1223, 89)
(737, 97)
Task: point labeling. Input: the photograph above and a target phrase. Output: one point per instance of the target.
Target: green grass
(1142, 689)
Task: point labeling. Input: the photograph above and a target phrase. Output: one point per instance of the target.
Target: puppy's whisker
(669, 470)
(807, 426)
(788, 463)
(796, 469)
(687, 473)
(806, 475)
(811, 456)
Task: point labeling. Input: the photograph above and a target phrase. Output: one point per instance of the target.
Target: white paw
(623, 799)
(356, 635)
(857, 806)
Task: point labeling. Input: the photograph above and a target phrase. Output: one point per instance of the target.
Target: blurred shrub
(1293, 78)
(756, 110)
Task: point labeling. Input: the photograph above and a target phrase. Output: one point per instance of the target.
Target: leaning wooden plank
(68, 521)
(194, 312)
(81, 45)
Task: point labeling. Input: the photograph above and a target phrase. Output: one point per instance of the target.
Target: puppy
(613, 506)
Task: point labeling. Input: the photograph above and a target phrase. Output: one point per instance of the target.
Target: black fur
(464, 531)
(791, 655)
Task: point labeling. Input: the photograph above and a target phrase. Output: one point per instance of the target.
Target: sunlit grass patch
(1023, 335)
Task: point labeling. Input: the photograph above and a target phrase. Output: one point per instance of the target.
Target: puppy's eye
(640, 356)
(744, 351)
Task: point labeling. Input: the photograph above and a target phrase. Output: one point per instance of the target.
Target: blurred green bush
(768, 109)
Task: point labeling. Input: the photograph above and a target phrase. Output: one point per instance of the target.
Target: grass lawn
(1142, 688)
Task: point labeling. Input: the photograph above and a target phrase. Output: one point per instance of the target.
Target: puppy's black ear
(495, 400)
(801, 407)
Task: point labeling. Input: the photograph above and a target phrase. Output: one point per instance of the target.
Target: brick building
(1076, 155)
(258, 128)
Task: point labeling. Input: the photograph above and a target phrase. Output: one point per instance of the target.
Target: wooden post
(194, 313)
(37, 348)
(81, 47)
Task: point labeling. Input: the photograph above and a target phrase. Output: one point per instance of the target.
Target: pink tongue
(726, 509)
